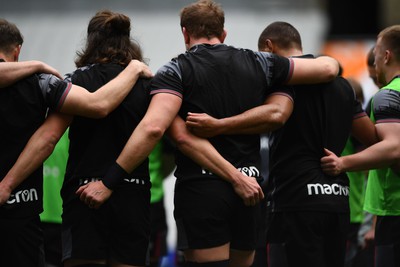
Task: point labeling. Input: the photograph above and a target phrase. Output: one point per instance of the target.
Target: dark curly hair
(108, 40)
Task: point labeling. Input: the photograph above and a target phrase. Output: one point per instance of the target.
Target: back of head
(371, 66)
(108, 40)
(203, 19)
(371, 57)
(282, 34)
(390, 40)
(10, 36)
(358, 91)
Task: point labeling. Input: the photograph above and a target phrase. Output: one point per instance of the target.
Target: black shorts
(21, 242)
(118, 231)
(158, 233)
(208, 213)
(306, 238)
(52, 243)
(387, 241)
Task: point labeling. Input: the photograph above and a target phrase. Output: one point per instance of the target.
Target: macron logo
(327, 189)
(27, 195)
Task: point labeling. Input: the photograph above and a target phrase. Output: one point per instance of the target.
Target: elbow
(395, 155)
(182, 142)
(278, 119)
(98, 109)
(50, 143)
(332, 70)
(152, 131)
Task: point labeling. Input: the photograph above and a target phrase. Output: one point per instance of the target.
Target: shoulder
(387, 95)
(171, 68)
(49, 80)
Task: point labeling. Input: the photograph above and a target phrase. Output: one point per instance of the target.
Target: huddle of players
(213, 102)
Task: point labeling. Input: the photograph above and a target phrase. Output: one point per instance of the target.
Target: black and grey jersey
(23, 108)
(96, 143)
(322, 118)
(222, 81)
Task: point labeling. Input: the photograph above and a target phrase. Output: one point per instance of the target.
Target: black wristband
(114, 176)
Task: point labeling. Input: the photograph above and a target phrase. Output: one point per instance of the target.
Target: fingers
(328, 152)
(85, 197)
(256, 198)
(81, 189)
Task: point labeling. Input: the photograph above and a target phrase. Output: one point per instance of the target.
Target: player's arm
(314, 70)
(142, 141)
(11, 72)
(100, 103)
(38, 148)
(380, 155)
(270, 116)
(364, 130)
(203, 153)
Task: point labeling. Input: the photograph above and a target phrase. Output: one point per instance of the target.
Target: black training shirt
(96, 143)
(23, 108)
(222, 81)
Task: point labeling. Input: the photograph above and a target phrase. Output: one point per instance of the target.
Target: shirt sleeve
(168, 79)
(54, 90)
(286, 90)
(278, 70)
(386, 106)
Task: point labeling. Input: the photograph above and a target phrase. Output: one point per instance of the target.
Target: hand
(94, 194)
(44, 68)
(331, 164)
(369, 238)
(5, 193)
(249, 190)
(202, 124)
(144, 70)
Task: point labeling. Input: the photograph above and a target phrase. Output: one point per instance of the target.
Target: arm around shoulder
(317, 70)
(11, 72)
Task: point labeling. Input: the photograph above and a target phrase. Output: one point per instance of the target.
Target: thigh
(302, 238)
(129, 216)
(203, 211)
(82, 237)
(22, 242)
(246, 226)
(158, 232)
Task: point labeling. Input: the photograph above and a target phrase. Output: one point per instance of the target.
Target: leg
(207, 255)
(240, 258)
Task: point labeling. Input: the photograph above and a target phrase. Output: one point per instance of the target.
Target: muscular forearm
(311, 71)
(102, 102)
(38, 148)
(380, 155)
(201, 151)
(204, 154)
(270, 116)
(259, 120)
(11, 72)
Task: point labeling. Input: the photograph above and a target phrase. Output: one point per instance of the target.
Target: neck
(5, 57)
(290, 52)
(390, 75)
(196, 41)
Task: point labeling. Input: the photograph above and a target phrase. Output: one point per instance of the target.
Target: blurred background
(345, 29)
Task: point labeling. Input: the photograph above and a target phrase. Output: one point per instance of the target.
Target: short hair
(282, 34)
(371, 57)
(390, 38)
(204, 18)
(108, 40)
(10, 36)
(357, 88)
